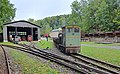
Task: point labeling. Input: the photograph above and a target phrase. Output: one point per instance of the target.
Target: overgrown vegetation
(105, 54)
(44, 44)
(31, 65)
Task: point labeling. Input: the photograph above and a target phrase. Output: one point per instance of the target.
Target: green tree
(50, 23)
(7, 12)
(31, 20)
(96, 15)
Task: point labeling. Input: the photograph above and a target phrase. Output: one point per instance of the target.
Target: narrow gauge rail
(97, 63)
(91, 61)
(114, 70)
(79, 67)
(48, 57)
(110, 68)
(79, 56)
(70, 61)
(6, 61)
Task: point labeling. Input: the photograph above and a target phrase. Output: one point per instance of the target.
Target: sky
(39, 9)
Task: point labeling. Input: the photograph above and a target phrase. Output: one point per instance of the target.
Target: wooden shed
(21, 28)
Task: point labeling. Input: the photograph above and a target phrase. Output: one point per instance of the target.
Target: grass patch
(44, 44)
(26, 42)
(105, 54)
(87, 43)
(93, 43)
(7, 43)
(30, 65)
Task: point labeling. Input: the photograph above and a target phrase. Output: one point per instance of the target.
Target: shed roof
(21, 23)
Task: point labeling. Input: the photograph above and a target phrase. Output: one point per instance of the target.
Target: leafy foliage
(7, 12)
(97, 15)
(91, 15)
(50, 23)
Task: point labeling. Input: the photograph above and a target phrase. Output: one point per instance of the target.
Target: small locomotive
(69, 40)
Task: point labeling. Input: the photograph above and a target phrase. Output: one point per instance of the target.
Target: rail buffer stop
(22, 29)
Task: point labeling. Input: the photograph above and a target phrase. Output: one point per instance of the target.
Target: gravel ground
(14, 67)
(58, 52)
(3, 68)
(110, 47)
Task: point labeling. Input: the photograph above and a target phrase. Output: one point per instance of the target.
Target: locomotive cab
(70, 39)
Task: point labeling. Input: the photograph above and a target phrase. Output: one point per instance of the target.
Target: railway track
(77, 66)
(90, 63)
(97, 63)
(48, 57)
(7, 71)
